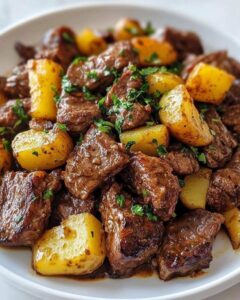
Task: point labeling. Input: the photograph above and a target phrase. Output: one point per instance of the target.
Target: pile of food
(119, 151)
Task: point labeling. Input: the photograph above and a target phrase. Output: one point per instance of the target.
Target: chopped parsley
(62, 127)
(67, 86)
(3, 130)
(118, 104)
(132, 30)
(104, 126)
(153, 58)
(118, 124)
(92, 75)
(129, 145)
(122, 52)
(80, 139)
(56, 93)
(203, 108)
(101, 105)
(213, 133)
(6, 145)
(48, 194)
(216, 120)
(175, 68)
(87, 94)
(18, 218)
(79, 59)
(120, 199)
(145, 193)
(19, 112)
(149, 214)
(149, 71)
(35, 153)
(150, 123)
(149, 29)
(68, 38)
(161, 149)
(137, 209)
(200, 156)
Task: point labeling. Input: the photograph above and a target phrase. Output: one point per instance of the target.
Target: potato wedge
(209, 84)
(76, 247)
(40, 150)
(178, 113)
(5, 157)
(163, 82)
(89, 43)
(232, 223)
(144, 137)
(125, 29)
(45, 83)
(152, 51)
(194, 192)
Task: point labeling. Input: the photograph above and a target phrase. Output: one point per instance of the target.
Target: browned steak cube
(25, 205)
(231, 117)
(152, 178)
(25, 52)
(187, 243)
(98, 158)
(40, 124)
(220, 150)
(97, 70)
(66, 205)
(131, 240)
(224, 190)
(77, 112)
(130, 113)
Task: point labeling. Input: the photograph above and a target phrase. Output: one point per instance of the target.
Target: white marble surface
(225, 14)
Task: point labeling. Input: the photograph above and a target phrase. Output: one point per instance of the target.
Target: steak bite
(97, 71)
(152, 178)
(224, 189)
(131, 240)
(220, 150)
(121, 107)
(98, 158)
(187, 244)
(25, 205)
(77, 112)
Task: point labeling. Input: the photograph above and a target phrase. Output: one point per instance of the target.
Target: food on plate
(119, 151)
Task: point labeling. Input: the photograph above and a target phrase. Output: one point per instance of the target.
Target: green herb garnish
(62, 127)
(104, 126)
(19, 111)
(79, 59)
(137, 210)
(92, 75)
(149, 30)
(120, 200)
(67, 86)
(129, 145)
(48, 194)
(68, 38)
(6, 145)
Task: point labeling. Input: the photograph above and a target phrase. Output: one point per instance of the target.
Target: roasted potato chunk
(178, 113)
(194, 192)
(163, 82)
(153, 52)
(5, 157)
(125, 29)
(146, 139)
(42, 150)
(89, 43)
(45, 83)
(76, 247)
(232, 223)
(209, 84)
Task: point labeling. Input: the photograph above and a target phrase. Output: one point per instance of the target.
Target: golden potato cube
(232, 223)
(178, 113)
(163, 82)
(209, 84)
(154, 52)
(146, 138)
(40, 150)
(194, 192)
(125, 29)
(89, 43)
(76, 247)
(5, 158)
(45, 83)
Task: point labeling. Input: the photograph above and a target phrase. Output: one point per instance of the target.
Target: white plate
(15, 264)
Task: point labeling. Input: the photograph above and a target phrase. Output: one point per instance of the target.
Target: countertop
(215, 12)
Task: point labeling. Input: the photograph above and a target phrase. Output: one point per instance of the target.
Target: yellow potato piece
(232, 223)
(39, 150)
(125, 29)
(154, 52)
(194, 192)
(5, 158)
(76, 247)
(89, 43)
(178, 113)
(163, 82)
(209, 84)
(45, 82)
(144, 136)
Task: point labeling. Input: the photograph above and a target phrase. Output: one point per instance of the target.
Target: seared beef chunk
(25, 206)
(9, 111)
(67, 205)
(183, 163)
(77, 112)
(224, 190)
(16, 85)
(98, 71)
(25, 52)
(231, 117)
(218, 59)
(184, 42)
(40, 124)
(220, 150)
(233, 95)
(131, 240)
(121, 104)
(59, 45)
(152, 178)
(98, 158)
(187, 245)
